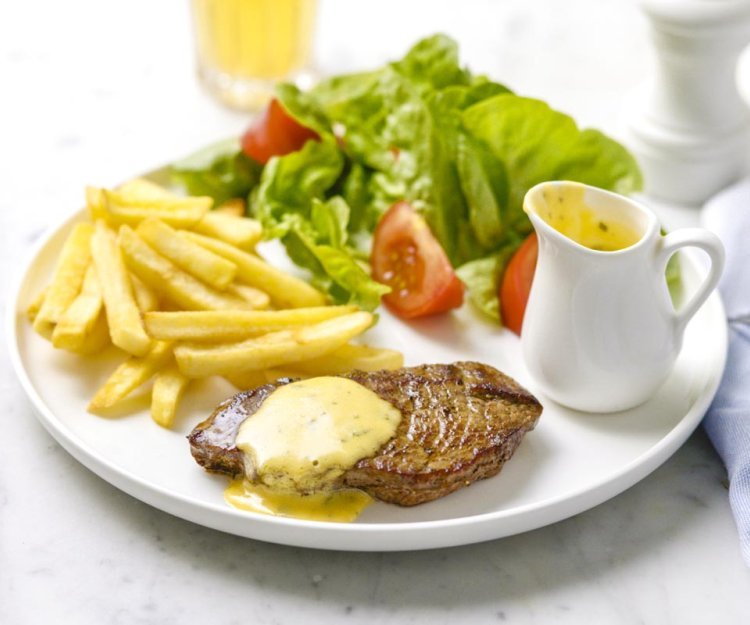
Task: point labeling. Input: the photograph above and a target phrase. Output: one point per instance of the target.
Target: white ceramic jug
(600, 333)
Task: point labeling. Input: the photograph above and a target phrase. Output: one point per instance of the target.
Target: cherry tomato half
(275, 133)
(409, 259)
(516, 284)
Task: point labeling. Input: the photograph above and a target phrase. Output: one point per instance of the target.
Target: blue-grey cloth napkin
(727, 421)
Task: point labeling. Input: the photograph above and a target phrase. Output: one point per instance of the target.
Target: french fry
(350, 357)
(241, 232)
(169, 386)
(130, 375)
(141, 190)
(211, 268)
(176, 211)
(257, 299)
(235, 207)
(67, 278)
(286, 291)
(271, 350)
(234, 325)
(95, 203)
(124, 319)
(166, 279)
(346, 358)
(145, 297)
(79, 319)
(96, 339)
(176, 285)
(33, 310)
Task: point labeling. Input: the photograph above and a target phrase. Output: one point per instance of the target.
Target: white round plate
(570, 463)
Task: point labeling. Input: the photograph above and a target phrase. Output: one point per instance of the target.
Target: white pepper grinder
(690, 128)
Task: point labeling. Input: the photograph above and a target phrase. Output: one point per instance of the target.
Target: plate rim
(540, 513)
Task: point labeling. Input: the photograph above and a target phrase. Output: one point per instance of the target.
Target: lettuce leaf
(398, 128)
(536, 144)
(482, 278)
(289, 183)
(433, 63)
(220, 170)
(292, 204)
(462, 149)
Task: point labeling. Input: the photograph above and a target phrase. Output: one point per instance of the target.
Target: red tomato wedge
(409, 259)
(516, 284)
(275, 133)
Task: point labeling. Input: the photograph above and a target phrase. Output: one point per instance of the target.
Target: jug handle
(711, 245)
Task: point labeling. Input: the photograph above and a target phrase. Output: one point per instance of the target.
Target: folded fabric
(727, 421)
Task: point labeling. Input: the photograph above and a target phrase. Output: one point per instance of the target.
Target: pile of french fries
(178, 287)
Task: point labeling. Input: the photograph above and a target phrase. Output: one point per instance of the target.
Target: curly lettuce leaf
(221, 171)
(398, 127)
(292, 204)
(434, 63)
(289, 183)
(334, 270)
(462, 149)
(482, 279)
(302, 106)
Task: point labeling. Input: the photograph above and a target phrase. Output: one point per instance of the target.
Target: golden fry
(95, 203)
(346, 358)
(130, 375)
(79, 319)
(234, 325)
(286, 291)
(241, 232)
(33, 310)
(350, 357)
(235, 207)
(271, 350)
(166, 279)
(67, 279)
(141, 190)
(169, 387)
(257, 299)
(211, 268)
(183, 255)
(96, 339)
(176, 211)
(123, 316)
(145, 297)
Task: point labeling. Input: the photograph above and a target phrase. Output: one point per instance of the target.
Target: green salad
(459, 147)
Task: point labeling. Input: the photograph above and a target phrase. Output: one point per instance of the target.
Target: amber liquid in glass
(245, 46)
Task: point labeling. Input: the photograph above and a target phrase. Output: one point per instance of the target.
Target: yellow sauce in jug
(565, 210)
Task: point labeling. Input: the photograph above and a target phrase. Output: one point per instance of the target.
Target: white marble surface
(94, 92)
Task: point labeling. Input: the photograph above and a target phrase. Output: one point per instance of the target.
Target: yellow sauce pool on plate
(340, 506)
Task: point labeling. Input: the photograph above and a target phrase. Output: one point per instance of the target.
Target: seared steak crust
(460, 423)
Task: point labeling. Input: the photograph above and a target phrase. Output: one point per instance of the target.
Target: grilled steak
(460, 423)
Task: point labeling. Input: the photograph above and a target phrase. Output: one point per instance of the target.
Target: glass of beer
(245, 46)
